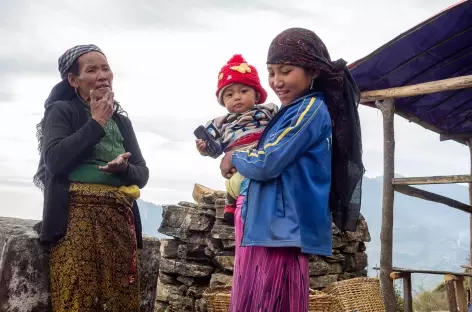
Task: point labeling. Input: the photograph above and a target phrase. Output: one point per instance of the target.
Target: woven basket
(217, 298)
(361, 294)
(322, 302)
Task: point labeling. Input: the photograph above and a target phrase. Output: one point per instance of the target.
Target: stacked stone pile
(201, 253)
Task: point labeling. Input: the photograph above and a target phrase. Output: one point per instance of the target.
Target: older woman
(91, 170)
(308, 161)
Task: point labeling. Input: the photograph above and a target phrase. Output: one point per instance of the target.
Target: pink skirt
(268, 279)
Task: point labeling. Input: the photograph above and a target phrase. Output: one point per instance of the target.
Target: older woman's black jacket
(69, 135)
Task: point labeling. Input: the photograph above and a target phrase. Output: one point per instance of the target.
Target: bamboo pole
(418, 89)
(387, 108)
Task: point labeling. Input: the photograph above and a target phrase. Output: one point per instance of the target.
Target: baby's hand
(201, 147)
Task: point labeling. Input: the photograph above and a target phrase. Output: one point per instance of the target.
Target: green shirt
(109, 147)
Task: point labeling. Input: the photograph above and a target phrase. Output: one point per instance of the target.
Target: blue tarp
(436, 49)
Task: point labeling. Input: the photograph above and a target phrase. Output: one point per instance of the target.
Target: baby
(240, 91)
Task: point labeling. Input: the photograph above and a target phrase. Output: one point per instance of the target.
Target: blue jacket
(287, 201)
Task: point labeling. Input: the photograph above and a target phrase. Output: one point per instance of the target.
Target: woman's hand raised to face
(226, 166)
(117, 165)
(101, 105)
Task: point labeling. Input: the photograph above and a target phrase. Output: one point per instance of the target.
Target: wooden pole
(387, 108)
(418, 193)
(451, 294)
(470, 217)
(407, 293)
(465, 178)
(460, 294)
(418, 89)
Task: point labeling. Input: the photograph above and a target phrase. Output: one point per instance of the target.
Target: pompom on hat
(237, 70)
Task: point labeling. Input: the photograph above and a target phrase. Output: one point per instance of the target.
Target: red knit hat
(237, 70)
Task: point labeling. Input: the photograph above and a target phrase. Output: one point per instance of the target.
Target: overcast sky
(166, 56)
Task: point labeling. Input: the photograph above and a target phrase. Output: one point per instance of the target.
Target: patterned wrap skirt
(268, 279)
(94, 267)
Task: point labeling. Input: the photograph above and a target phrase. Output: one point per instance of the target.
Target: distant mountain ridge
(426, 235)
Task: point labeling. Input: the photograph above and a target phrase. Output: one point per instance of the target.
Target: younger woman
(307, 162)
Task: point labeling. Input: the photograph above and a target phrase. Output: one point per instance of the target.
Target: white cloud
(166, 56)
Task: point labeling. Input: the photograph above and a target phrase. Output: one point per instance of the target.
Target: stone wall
(24, 270)
(201, 253)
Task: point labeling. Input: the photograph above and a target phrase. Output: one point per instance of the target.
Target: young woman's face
(288, 82)
(239, 98)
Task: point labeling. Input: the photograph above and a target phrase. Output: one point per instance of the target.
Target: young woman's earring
(312, 84)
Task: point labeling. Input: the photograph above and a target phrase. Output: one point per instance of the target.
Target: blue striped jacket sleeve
(306, 127)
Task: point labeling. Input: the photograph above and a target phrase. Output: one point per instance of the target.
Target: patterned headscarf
(70, 56)
(62, 91)
(302, 47)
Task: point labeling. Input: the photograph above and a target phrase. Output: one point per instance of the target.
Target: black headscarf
(302, 47)
(62, 91)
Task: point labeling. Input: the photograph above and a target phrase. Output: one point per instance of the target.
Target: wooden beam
(451, 295)
(433, 272)
(460, 294)
(407, 293)
(458, 136)
(433, 180)
(418, 193)
(387, 108)
(418, 89)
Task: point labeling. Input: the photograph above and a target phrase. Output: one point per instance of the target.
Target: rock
(225, 262)
(318, 282)
(228, 244)
(220, 279)
(215, 245)
(338, 242)
(180, 303)
(169, 248)
(195, 292)
(361, 234)
(221, 231)
(188, 204)
(191, 269)
(185, 218)
(192, 252)
(351, 247)
(164, 291)
(220, 212)
(160, 307)
(362, 247)
(168, 279)
(347, 275)
(199, 191)
(24, 268)
(335, 258)
(183, 290)
(200, 238)
(201, 305)
(318, 266)
(189, 281)
(355, 262)
(150, 258)
(221, 202)
(207, 206)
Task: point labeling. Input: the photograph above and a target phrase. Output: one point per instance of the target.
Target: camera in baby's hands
(213, 148)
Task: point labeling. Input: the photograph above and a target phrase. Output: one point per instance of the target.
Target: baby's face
(239, 98)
